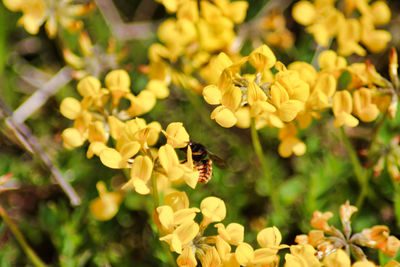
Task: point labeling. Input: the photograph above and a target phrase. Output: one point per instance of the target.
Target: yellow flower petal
(269, 237)
(244, 254)
(158, 88)
(262, 58)
(224, 117)
(213, 208)
(304, 12)
(89, 86)
(111, 158)
(177, 135)
(338, 258)
(70, 108)
(72, 138)
(212, 95)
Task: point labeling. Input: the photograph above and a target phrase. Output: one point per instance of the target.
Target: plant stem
(155, 191)
(377, 128)
(264, 164)
(360, 172)
(21, 240)
(156, 204)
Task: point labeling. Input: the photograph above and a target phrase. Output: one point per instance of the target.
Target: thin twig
(121, 30)
(40, 96)
(25, 136)
(21, 239)
(359, 171)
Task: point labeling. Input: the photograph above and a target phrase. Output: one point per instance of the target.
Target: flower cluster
(376, 237)
(37, 12)
(389, 155)
(100, 112)
(296, 93)
(324, 21)
(178, 227)
(274, 30)
(200, 30)
(177, 224)
(112, 112)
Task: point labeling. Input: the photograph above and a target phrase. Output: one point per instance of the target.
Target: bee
(202, 163)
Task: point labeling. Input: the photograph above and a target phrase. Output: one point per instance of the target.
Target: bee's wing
(220, 163)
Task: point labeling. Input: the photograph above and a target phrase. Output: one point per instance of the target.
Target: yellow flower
(235, 11)
(301, 255)
(233, 233)
(262, 58)
(213, 209)
(187, 258)
(363, 264)
(304, 12)
(118, 82)
(181, 236)
(338, 258)
(348, 38)
(375, 40)
(211, 258)
(158, 88)
(224, 250)
(106, 205)
(331, 62)
(289, 142)
(325, 87)
(174, 169)
(169, 219)
(72, 138)
(177, 135)
(270, 238)
(363, 106)
(246, 255)
(320, 220)
(342, 107)
(346, 211)
(90, 89)
(142, 168)
(36, 12)
(177, 200)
